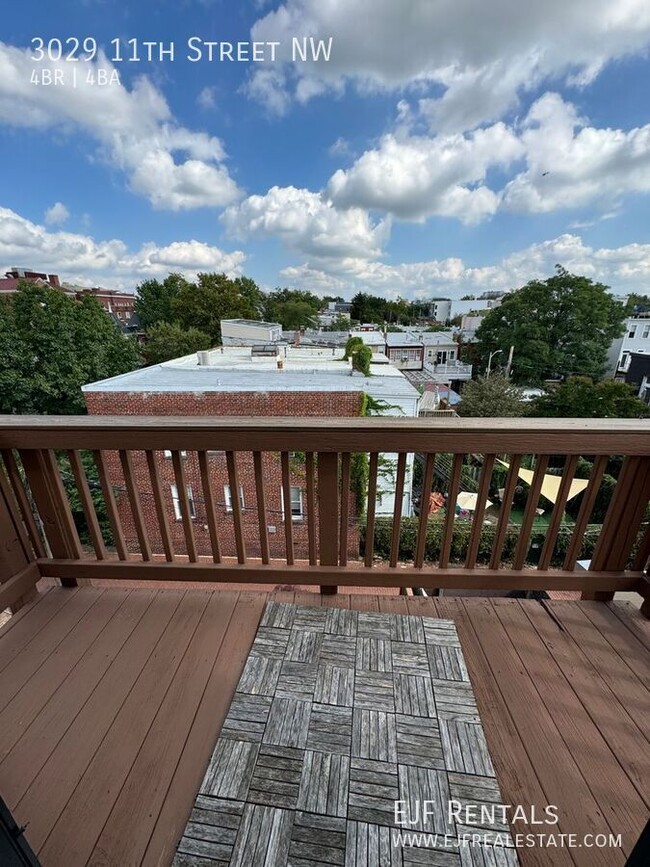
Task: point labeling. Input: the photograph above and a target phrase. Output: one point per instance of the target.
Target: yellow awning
(551, 484)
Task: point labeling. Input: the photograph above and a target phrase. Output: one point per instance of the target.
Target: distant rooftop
(255, 322)
(236, 369)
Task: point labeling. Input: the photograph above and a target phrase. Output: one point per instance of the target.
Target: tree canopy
(52, 345)
(491, 397)
(292, 308)
(215, 297)
(580, 397)
(154, 299)
(559, 327)
(168, 340)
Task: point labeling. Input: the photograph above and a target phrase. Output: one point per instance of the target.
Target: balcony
(119, 666)
(452, 371)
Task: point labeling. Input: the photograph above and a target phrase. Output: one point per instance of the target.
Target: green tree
(580, 397)
(52, 345)
(360, 354)
(339, 323)
(215, 297)
(168, 340)
(491, 397)
(154, 299)
(368, 308)
(292, 308)
(562, 326)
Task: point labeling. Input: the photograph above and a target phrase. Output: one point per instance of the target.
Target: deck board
(90, 758)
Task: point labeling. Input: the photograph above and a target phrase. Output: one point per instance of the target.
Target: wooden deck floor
(111, 702)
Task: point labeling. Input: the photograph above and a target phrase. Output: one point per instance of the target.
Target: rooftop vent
(203, 358)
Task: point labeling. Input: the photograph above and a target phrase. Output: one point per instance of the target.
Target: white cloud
(571, 164)
(340, 147)
(80, 259)
(457, 45)
(307, 222)
(417, 176)
(57, 214)
(207, 98)
(134, 129)
(623, 268)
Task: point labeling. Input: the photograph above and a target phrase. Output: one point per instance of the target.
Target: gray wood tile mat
(339, 714)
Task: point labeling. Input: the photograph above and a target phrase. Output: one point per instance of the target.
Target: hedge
(461, 536)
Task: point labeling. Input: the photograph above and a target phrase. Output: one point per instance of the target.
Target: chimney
(54, 279)
(280, 363)
(203, 357)
(296, 337)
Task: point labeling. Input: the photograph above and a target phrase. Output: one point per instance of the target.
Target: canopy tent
(467, 501)
(551, 484)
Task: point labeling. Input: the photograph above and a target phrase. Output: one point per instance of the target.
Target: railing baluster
(450, 517)
(504, 512)
(643, 554)
(479, 511)
(111, 506)
(208, 499)
(159, 503)
(397, 509)
(7, 494)
(286, 507)
(328, 513)
(586, 507)
(370, 508)
(128, 470)
(558, 511)
(628, 513)
(52, 503)
(23, 503)
(184, 504)
(345, 508)
(87, 503)
(258, 463)
(233, 480)
(311, 505)
(423, 523)
(530, 511)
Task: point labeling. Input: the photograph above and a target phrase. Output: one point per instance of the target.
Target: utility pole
(509, 364)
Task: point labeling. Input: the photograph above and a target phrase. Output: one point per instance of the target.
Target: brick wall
(293, 404)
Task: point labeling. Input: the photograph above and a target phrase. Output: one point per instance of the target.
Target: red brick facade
(256, 404)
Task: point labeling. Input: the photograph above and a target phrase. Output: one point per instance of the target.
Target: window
(177, 503)
(632, 332)
(228, 497)
(646, 332)
(452, 355)
(297, 513)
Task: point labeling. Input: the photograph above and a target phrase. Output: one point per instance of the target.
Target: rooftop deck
(112, 701)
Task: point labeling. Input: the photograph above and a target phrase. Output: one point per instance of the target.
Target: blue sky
(443, 148)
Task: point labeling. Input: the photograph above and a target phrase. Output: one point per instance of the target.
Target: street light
(492, 354)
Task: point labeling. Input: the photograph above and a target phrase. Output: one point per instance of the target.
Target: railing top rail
(543, 436)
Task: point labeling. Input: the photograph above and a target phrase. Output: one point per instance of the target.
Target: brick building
(119, 304)
(292, 382)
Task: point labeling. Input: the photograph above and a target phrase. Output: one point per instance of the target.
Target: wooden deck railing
(277, 500)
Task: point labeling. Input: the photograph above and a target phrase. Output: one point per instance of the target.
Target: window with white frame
(646, 332)
(632, 331)
(297, 513)
(228, 497)
(177, 503)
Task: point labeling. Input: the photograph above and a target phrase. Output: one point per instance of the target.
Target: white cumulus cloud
(482, 54)
(80, 259)
(175, 168)
(418, 176)
(308, 223)
(57, 214)
(624, 268)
